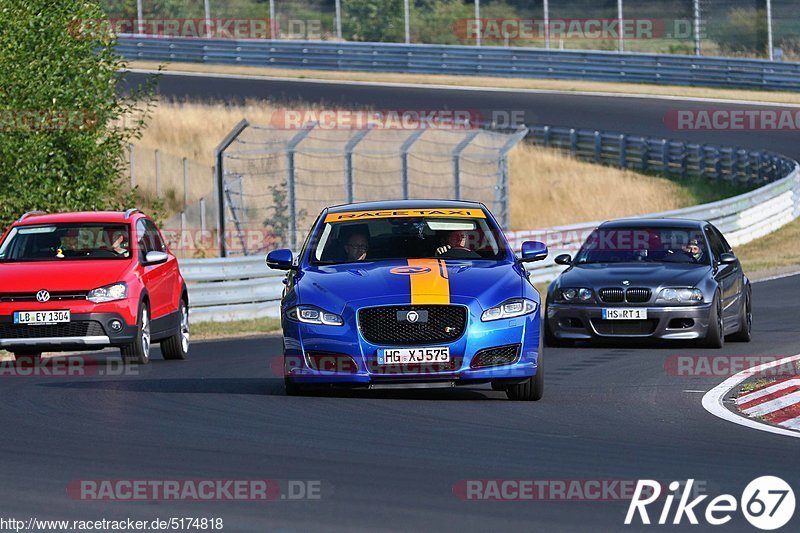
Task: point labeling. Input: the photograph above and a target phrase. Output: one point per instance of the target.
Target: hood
(638, 274)
(80, 275)
(420, 281)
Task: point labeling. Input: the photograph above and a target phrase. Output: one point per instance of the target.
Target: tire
(26, 354)
(176, 347)
(498, 386)
(715, 337)
(530, 390)
(746, 320)
(550, 340)
(293, 389)
(138, 352)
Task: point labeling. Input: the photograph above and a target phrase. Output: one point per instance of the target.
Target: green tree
(63, 125)
(744, 31)
(373, 20)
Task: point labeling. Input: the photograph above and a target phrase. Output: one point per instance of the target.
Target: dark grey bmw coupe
(651, 278)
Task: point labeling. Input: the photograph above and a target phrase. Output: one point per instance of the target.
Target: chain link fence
(275, 181)
(710, 27)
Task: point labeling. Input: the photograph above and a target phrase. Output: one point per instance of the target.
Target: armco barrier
(662, 69)
(240, 288)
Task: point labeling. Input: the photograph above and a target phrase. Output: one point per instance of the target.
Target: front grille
(83, 328)
(501, 355)
(31, 296)
(612, 295)
(413, 368)
(638, 295)
(380, 325)
(625, 327)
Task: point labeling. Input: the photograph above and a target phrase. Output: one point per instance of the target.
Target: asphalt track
(387, 460)
(640, 116)
(390, 460)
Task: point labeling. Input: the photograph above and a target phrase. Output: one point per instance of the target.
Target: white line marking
(461, 87)
(773, 405)
(712, 401)
(793, 423)
(750, 396)
(698, 391)
(773, 278)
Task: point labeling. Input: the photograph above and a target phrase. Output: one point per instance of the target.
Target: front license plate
(401, 356)
(40, 317)
(624, 314)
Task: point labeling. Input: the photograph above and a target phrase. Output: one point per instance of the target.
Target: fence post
(573, 142)
(291, 148)
(734, 163)
(348, 160)
(203, 216)
(185, 183)
(623, 151)
(457, 162)
(684, 159)
(131, 160)
(717, 163)
(645, 155)
(664, 157)
(404, 148)
(701, 160)
(158, 173)
(546, 136)
(219, 154)
(502, 188)
(598, 147)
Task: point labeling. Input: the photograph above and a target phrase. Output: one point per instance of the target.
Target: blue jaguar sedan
(410, 294)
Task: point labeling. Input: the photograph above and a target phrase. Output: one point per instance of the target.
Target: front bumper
(302, 340)
(94, 331)
(585, 322)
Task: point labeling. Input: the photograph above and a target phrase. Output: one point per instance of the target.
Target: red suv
(91, 280)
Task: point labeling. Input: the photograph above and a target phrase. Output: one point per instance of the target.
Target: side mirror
(155, 258)
(533, 251)
(564, 259)
(727, 258)
(280, 259)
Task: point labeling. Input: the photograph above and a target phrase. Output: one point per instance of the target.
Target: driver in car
(120, 246)
(456, 247)
(694, 250)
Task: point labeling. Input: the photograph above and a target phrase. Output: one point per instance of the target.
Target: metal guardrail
(661, 69)
(226, 289)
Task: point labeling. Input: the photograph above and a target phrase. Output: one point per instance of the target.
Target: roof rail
(31, 213)
(131, 211)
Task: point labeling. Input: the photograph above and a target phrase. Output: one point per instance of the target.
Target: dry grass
(777, 252)
(547, 187)
(486, 81)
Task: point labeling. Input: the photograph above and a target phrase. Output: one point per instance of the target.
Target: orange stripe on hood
(431, 287)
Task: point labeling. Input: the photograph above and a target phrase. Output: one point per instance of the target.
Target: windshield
(60, 242)
(466, 234)
(652, 245)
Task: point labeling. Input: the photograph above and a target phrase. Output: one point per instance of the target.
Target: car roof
(77, 217)
(404, 204)
(653, 223)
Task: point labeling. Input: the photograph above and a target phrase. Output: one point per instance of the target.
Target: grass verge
(776, 253)
(237, 328)
(483, 81)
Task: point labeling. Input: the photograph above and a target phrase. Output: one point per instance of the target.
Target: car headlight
(509, 309)
(575, 294)
(109, 293)
(680, 295)
(314, 315)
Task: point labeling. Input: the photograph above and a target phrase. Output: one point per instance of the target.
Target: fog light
(115, 325)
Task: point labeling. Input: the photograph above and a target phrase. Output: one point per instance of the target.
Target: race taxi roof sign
(405, 213)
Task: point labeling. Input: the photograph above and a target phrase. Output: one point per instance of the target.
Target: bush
(62, 132)
(744, 31)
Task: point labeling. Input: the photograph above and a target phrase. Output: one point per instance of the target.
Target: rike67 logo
(767, 503)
